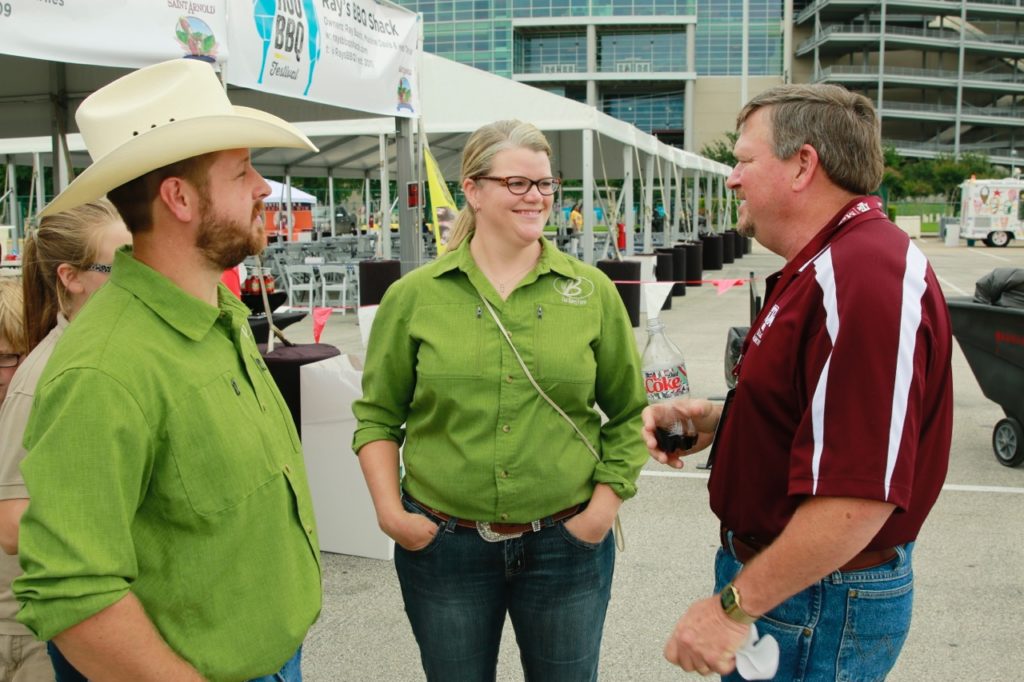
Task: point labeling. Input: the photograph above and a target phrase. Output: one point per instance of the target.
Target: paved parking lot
(969, 559)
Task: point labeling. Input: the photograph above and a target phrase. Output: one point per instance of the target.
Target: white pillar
(677, 204)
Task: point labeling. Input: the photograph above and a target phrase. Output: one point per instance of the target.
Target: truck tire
(998, 238)
(1008, 442)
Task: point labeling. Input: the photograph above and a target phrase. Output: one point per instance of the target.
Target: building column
(592, 65)
(689, 96)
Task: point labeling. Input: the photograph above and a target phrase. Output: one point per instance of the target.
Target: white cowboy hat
(159, 115)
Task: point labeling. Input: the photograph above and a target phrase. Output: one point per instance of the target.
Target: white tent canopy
(278, 195)
(586, 143)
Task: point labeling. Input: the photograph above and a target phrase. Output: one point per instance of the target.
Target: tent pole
(588, 196)
(627, 200)
(409, 239)
(677, 213)
(330, 199)
(649, 199)
(384, 234)
(288, 204)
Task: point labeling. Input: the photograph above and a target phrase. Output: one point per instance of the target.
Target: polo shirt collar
(856, 210)
(183, 312)
(551, 260)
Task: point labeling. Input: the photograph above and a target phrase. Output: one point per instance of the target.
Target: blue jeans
(554, 587)
(848, 627)
(63, 671)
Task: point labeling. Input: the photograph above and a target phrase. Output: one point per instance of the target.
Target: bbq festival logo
(290, 33)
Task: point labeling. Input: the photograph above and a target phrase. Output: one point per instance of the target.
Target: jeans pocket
(577, 542)
(414, 508)
(877, 623)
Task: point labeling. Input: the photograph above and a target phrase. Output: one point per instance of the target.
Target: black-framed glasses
(519, 185)
(100, 267)
(9, 359)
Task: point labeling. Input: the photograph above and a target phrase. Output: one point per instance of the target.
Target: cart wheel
(998, 239)
(1008, 442)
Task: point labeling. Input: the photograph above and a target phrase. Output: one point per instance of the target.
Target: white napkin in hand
(758, 658)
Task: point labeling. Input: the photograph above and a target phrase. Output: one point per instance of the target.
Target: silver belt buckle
(484, 529)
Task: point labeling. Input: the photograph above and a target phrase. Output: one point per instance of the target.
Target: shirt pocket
(448, 340)
(217, 444)
(563, 343)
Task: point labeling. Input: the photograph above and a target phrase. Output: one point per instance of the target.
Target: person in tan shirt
(65, 262)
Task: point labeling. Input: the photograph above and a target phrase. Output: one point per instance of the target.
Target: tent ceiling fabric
(349, 140)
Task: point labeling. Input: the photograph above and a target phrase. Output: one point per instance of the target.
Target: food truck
(991, 210)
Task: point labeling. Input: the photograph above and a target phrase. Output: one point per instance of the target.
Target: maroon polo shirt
(845, 385)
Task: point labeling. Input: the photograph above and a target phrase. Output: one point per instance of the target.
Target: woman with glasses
(63, 264)
(503, 508)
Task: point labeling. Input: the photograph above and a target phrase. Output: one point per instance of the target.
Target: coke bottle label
(666, 383)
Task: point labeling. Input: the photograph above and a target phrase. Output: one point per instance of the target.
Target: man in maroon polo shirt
(833, 447)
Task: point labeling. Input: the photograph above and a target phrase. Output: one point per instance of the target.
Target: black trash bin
(375, 276)
(712, 251)
(694, 262)
(728, 248)
(625, 270)
(737, 243)
(678, 269)
(663, 271)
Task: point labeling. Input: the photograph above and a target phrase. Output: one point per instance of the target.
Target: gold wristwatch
(730, 597)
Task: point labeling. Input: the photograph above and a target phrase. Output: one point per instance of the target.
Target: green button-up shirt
(163, 461)
(480, 443)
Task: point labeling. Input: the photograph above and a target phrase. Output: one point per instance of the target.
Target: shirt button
(288, 468)
(504, 474)
(506, 428)
(504, 517)
(309, 530)
(509, 378)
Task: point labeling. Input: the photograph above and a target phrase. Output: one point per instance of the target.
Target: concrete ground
(969, 558)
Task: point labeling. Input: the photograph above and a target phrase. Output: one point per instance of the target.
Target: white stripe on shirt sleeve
(826, 277)
(910, 319)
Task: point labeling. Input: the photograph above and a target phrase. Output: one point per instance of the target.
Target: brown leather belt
(504, 528)
(745, 550)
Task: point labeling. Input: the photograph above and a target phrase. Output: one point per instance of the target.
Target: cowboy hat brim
(175, 141)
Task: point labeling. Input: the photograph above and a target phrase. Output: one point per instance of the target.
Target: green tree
(721, 150)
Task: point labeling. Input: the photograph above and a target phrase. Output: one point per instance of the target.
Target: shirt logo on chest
(574, 290)
(769, 318)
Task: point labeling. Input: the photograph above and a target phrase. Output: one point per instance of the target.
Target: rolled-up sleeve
(620, 395)
(89, 463)
(389, 373)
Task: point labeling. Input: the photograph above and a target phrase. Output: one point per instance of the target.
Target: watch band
(731, 604)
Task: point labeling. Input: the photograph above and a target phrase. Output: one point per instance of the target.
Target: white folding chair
(301, 281)
(334, 280)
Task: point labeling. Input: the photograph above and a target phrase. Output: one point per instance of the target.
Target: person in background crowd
(65, 261)
(12, 331)
(170, 534)
(22, 658)
(502, 509)
(575, 228)
(834, 445)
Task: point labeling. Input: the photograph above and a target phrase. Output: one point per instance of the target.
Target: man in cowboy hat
(170, 534)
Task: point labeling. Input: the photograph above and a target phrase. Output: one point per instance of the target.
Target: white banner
(357, 54)
(125, 33)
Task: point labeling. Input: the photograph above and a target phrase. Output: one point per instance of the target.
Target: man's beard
(744, 224)
(224, 242)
